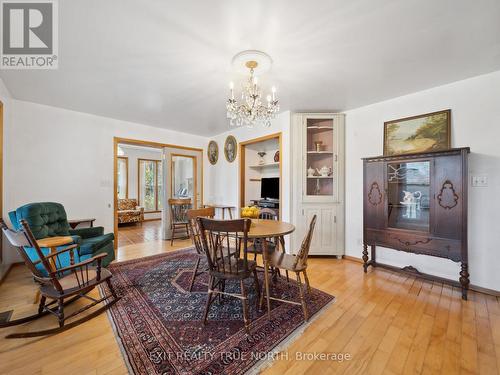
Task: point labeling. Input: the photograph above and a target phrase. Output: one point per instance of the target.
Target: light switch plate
(479, 181)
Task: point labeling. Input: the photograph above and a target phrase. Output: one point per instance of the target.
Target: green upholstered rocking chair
(48, 219)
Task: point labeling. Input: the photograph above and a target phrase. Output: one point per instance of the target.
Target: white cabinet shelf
(318, 142)
(267, 165)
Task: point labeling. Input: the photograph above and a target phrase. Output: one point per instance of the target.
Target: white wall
(133, 153)
(64, 156)
(475, 109)
(223, 178)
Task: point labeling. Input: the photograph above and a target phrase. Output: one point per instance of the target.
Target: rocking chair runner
(63, 286)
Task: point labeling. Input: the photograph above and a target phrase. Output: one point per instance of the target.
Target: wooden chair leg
(209, 297)
(37, 297)
(111, 288)
(41, 305)
(302, 299)
(244, 301)
(307, 282)
(287, 277)
(195, 271)
(60, 311)
(257, 287)
(173, 235)
(222, 288)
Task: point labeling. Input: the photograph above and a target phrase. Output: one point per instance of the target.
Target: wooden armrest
(49, 256)
(98, 257)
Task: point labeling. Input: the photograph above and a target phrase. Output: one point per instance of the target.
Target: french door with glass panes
(183, 171)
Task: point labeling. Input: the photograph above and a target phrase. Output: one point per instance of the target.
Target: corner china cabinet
(318, 180)
(417, 203)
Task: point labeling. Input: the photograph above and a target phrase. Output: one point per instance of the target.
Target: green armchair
(48, 219)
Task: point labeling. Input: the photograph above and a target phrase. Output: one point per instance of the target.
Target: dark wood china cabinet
(417, 203)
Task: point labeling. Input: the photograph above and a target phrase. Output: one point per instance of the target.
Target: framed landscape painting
(423, 133)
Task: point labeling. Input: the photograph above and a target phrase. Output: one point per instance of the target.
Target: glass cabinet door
(320, 148)
(408, 193)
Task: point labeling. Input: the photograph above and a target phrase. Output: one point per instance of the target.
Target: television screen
(270, 188)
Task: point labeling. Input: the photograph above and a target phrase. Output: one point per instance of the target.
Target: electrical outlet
(479, 181)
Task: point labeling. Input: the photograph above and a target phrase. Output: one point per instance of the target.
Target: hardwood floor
(387, 323)
(129, 234)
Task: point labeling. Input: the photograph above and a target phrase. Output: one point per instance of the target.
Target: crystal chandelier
(251, 110)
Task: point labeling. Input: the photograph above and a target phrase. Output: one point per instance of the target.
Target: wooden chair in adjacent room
(178, 218)
(194, 233)
(256, 246)
(225, 245)
(298, 264)
(62, 285)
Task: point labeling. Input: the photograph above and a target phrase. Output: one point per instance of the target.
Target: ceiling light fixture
(251, 110)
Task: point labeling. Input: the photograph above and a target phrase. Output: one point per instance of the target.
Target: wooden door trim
(242, 149)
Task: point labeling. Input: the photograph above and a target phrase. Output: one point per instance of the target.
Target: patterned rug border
(257, 367)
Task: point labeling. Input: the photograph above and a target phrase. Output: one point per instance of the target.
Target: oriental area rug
(159, 323)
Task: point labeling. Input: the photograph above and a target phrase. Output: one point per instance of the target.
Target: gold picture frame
(213, 152)
(230, 148)
(422, 133)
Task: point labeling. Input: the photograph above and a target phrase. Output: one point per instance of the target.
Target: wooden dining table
(262, 228)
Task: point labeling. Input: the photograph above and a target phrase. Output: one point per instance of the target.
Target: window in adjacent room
(122, 177)
(150, 183)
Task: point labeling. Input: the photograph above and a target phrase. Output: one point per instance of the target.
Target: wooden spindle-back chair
(225, 245)
(61, 285)
(268, 214)
(256, 246)
(194, 234)
(178, 217)
(297, 263)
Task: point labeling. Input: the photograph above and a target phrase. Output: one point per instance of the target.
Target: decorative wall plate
(230, 148)
(277, 156)
(213, 152)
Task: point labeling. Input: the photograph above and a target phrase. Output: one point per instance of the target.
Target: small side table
(74, 223)
(222, 207)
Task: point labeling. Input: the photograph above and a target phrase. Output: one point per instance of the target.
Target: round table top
(262, 228)
(55, 241)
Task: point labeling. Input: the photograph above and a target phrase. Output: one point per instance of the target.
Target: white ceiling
(167, 63)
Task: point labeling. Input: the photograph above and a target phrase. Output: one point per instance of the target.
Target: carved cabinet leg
(464, 280)
(365, 257)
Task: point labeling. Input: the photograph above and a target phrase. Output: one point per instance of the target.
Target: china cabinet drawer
(415, 243)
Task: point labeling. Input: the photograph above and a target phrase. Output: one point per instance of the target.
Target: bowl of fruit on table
(251, 212)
